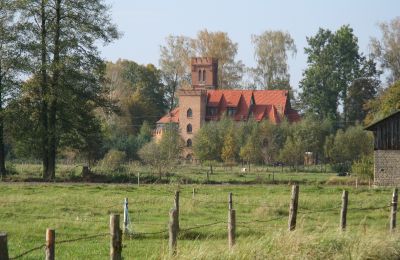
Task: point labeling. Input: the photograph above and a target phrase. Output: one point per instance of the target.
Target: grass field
(77, 210)
(188, 174)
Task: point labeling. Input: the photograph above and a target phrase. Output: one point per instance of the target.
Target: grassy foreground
(77, 210)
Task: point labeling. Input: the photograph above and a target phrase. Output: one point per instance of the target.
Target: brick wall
(196, 101)
(387, 167)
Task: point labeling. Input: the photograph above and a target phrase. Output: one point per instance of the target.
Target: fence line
(174, 229)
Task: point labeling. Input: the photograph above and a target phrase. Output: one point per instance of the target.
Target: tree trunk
(53, 95)
(2, 153)
(44, 89)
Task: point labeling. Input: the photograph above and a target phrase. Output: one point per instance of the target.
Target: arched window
(204, 75)
(189, 113)
(199, 75)
(189, 143)
(189, 128)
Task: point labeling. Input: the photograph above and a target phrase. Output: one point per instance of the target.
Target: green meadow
(79, 210)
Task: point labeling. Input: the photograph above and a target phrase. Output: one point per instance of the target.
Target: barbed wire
(43, 246)
(82, 238)
(28, 251)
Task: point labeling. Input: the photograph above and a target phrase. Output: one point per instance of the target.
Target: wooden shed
(387, 150)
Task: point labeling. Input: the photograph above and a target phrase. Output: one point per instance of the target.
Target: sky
(146, 23)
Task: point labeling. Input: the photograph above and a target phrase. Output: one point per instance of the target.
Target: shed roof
(373, 126)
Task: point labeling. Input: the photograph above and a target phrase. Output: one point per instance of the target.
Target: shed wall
(387, 167)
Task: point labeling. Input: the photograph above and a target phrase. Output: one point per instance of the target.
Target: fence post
(126, 216)
(173, 230)
(230, 202)
(231, 227)
(138, 179)
(177, 208)
(343, 212)
(116, 238)
(3, 246)
(394, 210)
(294, 201)
(193, 193)
(50, 244)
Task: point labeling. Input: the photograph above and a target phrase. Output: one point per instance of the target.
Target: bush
(363, 168)
(113, 159)
(341, 167)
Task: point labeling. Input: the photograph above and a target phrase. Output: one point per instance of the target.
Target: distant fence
(174, 229)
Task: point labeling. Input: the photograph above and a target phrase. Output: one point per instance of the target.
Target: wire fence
(250, 224)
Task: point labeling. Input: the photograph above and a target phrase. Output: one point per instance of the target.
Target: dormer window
(211, 111)
(189, 113)
(231, 111)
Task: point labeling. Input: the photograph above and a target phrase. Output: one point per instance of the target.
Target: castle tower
(204, 73)
(193, 102)
(192, 112)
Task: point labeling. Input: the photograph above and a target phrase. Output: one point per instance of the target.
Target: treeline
(60, 99)
(262, 142)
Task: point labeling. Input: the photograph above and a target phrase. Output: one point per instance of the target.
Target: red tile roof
(172, 117)
(273, 105)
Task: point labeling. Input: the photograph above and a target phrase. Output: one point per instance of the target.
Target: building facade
(387, 150)
(204, 102)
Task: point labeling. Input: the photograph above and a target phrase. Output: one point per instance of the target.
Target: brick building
(387, 150)
(205, 102)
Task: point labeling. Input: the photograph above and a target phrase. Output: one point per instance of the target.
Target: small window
(211, 111)
(189, 143)
(189, 113)
(189, 128)
(199, 75)
(231, 111)
(204, 76)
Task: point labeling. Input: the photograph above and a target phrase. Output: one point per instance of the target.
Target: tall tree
(175, 65)
(271, 54)
(229, 149)
(219, 45)
(387, 50)
(334, 62)
(70, 65)
(251, 152)
(11, 64)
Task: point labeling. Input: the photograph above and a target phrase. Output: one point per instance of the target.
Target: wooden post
(356, 182)
(126, 218)
(116, 238)
(230, 203)
(194, 191)
(173, 231)
(343, 212)
(394, 210)
(138, 179)
(294, 201)
(231, 227)
(177, 207)
(50, 244)
(3, 246)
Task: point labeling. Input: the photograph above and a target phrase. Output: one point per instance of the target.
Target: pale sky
(146, 23)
